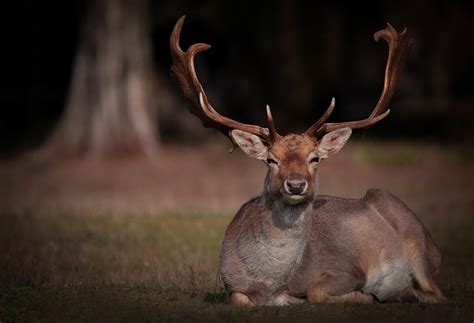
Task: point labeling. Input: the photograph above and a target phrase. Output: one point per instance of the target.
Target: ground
(138, 240)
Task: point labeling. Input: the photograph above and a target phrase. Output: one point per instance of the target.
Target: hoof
(411, 295)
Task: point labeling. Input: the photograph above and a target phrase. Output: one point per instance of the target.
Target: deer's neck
(285, 216)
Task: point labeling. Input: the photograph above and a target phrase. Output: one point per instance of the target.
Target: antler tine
(184, 72)
(328, 127)
(397, 48)
(318, 124)
(274, 136)
(396, 57)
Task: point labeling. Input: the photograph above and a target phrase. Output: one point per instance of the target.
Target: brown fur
(323, 248)
(289, 242)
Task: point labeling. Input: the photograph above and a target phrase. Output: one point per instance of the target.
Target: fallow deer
(290, 244)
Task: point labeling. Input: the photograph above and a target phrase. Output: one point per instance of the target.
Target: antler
(185, 74)
(397, 47)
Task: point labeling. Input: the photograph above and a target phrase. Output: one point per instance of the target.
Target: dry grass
(136, 240)
(207, 179)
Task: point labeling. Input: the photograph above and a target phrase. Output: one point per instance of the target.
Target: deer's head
(292, 159)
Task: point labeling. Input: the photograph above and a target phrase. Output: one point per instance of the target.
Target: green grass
(401, 155)
(109, 267)
(395, 156)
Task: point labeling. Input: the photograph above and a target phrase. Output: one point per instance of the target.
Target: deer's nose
(296, 186)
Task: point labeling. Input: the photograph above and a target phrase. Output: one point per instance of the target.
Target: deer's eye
(271, 161)
(315, 160)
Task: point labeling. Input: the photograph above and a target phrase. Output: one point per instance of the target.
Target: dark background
(97, 237)
(293, 55)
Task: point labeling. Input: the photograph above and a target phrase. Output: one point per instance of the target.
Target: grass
(74, 250)
(396, 156)
(119, 267)
(134, 261)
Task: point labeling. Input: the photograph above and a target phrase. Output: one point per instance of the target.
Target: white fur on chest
(274, 254)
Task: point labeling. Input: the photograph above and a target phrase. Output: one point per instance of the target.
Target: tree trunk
(110, 105)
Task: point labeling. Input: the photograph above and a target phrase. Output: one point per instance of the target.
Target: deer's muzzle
(295, 185)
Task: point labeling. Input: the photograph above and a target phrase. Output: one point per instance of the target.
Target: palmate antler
(397, 48)
(185, 74)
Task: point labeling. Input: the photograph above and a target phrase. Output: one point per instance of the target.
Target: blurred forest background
(114, 199)
(292, 55)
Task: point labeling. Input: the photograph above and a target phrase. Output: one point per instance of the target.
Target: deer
(291, 245)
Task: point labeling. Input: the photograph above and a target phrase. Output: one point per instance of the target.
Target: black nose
(295, 187)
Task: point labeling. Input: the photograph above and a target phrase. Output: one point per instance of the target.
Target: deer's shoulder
(254, 205)
(248, 210)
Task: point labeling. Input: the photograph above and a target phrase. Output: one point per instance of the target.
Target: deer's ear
(333, 141)
(250, 144)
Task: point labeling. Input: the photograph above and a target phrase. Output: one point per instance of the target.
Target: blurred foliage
(402, 154)
(395, 156)
(459, 155)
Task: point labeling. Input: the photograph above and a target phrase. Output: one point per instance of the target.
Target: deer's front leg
(240, 299)
(287, 299)
(338, 287)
